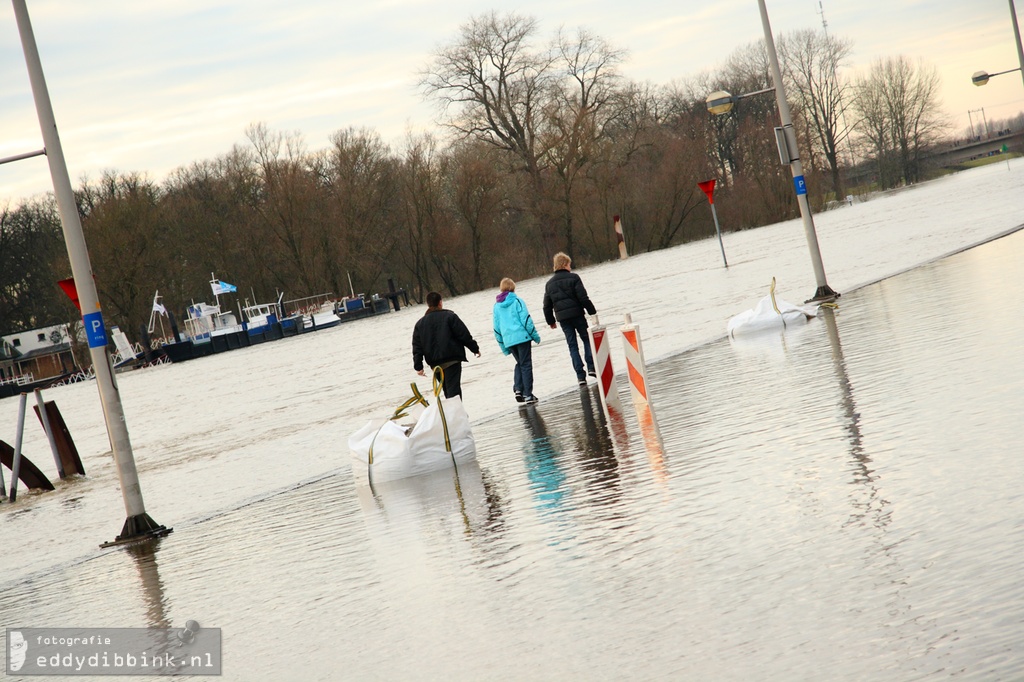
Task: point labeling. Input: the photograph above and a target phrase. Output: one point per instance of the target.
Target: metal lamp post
(980, 78)
(138, 525)
(722, 102)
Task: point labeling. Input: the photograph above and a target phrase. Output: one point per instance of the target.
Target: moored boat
(210, 330)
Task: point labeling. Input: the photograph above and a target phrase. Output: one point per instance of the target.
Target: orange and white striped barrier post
(636, 371)
(603, 364)
(636, 368)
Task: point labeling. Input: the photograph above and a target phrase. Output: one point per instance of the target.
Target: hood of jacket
(506, 299)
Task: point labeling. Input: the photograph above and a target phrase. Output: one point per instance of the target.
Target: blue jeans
(572, 328)
(522, 381)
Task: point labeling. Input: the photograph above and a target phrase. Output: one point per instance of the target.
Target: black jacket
(565, 297)
(440, 337)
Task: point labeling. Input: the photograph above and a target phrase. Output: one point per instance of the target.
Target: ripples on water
(839, 502)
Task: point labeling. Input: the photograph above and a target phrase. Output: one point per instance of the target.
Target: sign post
(709, 188)
(824, 293)
(138, 525)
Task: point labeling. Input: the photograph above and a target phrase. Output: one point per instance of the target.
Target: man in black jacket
(566, 300)
(441, 338)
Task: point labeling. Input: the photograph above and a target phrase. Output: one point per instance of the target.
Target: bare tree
(811, 62)
(582, 106)
(363, 186)
(32, 260)
(746, 71)
(490, 84)
(122, 220)
(286, 206)
(420, 208)
(899, 106)
(478, 198)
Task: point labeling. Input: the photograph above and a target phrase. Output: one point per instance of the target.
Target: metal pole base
(137, 529)
(824, 294)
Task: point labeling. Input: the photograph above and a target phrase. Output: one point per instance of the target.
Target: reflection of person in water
(19, 650)
(547, 480)
(596, 452)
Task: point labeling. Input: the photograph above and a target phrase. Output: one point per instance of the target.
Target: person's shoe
(531, 400)
(519, 397)
(592, 373)
(583, 381)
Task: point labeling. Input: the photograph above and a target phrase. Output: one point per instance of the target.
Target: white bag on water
(770, 313)
(417, 439)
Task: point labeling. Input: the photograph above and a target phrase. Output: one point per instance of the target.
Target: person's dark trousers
(452, 380)
(523, 379)
(571, 328)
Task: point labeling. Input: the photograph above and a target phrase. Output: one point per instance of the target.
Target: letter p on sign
(94, 330)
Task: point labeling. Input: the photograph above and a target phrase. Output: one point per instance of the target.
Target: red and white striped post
(636, 368)
(636, 371)
(603, 364)
(621, 239)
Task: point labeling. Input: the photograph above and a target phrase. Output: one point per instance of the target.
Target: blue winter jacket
(512, 322)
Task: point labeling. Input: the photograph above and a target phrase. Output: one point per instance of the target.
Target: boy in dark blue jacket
(566, 301)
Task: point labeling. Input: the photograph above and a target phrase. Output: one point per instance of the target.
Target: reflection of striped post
(621, 239)
(652, 440)
(603, 364)
(636, 369)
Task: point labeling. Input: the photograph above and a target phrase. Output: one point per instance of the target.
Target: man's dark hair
(433, 299)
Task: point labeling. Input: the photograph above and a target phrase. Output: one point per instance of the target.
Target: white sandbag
(426, 439)
(771, 312)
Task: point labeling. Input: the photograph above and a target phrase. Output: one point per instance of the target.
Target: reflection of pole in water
(144, 555)
(862, 471)
(163, 639)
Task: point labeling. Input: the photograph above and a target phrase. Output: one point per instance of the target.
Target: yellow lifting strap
(438, 379)
(771, 292)
(417, 397)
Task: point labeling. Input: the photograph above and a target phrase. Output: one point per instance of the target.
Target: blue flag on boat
(220, 287)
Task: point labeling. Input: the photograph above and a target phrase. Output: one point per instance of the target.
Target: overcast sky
(152, 86)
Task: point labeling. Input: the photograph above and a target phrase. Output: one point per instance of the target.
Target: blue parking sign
(800, 184)
(94, 330)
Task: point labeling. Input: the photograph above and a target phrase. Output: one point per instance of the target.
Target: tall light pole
(980, 78)
(824, 292)
(721, 102)
(138, 525)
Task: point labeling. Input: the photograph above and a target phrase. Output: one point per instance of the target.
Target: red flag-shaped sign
(68, 285)
(709, 188)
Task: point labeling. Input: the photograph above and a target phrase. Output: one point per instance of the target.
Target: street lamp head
(720, 102)
(980, 78)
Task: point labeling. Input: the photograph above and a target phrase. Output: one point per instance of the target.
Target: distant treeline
(540, 144)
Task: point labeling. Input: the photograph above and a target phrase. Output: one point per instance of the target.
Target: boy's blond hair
(562, 261)
(507, 284)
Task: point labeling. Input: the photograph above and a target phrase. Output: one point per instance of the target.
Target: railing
(307, 305)
(20, 380)
(76, 377)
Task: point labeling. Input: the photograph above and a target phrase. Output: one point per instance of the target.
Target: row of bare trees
(546, 142)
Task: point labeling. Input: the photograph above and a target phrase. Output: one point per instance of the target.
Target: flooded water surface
(838, 501)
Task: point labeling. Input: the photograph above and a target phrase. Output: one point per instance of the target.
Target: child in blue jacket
(514, 330)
